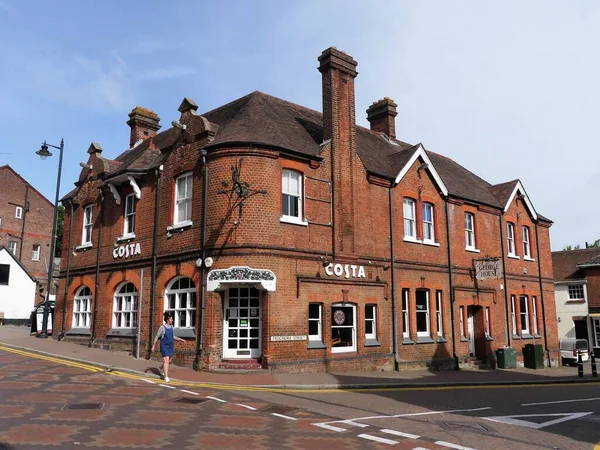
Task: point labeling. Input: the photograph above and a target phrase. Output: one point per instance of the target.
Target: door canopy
(222, 279)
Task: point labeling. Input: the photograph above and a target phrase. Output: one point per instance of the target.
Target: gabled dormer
(508, 192)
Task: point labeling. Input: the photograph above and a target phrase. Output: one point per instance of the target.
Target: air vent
(190, 400)
(69, 406)
(278, 409)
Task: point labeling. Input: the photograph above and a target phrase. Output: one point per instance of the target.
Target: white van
(569, 349)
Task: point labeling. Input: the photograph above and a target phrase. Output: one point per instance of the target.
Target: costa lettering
(346, 270)
(125, 251)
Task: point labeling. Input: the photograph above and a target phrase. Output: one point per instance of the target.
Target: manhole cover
(83, 406)
(278, 409)
(190, 400)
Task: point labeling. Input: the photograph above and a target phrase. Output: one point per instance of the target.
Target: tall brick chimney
(144, 123)
(382, 116)
(339, 124)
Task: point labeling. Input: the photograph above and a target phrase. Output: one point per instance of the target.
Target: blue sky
(508, 89)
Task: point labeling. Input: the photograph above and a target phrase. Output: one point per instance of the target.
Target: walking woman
(167, 343)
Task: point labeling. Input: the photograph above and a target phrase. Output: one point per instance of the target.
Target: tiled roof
(565, 263)
(503, 191)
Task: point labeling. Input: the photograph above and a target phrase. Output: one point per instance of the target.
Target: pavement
(19, 338)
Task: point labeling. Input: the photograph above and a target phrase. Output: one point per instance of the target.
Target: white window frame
(349, 348)
(428, 225)
(88, 225)
(524, 314)
(19, 212)
(510, 239)
(405, 314)
(125, 306)
(574, 290)
(470, 242)
(12, 247)
(427, 332)
(513, 314)
(129, 213)
(292, 186)
(183, 199)
(439, 313)
(372, 320)
(82, 308)
(181, 296)
(461, 313)
(596, 324)
(534, 315)
(488, 332)
(409, 212)
(526, 244)
(35, 252)
(318, 320)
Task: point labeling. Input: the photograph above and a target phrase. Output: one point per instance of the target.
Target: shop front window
(343, 328)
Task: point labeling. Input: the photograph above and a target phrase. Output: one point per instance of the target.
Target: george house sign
(345, 270)
(487, 269)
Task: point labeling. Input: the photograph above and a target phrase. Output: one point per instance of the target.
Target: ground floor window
(422, 304)
(125, 307)
(597, 331)
(405, 327)
(488, 329)
(343, 328)
(370, 322)
(534, 315)
(439, 318)
(461, 313)
(180, 301)
(513, 315)
(315, 317)
(524, 313)
(82, 308)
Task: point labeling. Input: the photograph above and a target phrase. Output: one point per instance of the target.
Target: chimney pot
(381, 115)
(144, 123)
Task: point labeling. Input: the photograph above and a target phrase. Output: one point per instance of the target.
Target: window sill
(293, 220)
(489, 338)
(180, 225)
(463, 339)
(79, 332)
(424, 340)
(431, 243)
(85, 246)
(537, 336)
(184, 333)
(126, 237)
(472, 249)
(316, 345)
(441, 340)
(412, 240)
(526, 336)
(372, 343)
(343, 350)
(575, 302)
(513, 256)
(121, 332)
(516, 337)
(33, 259)
(526, 258)
(407, 341)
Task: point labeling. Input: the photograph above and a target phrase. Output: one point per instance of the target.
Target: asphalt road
(51, 403)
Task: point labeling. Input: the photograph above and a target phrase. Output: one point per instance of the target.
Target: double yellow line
(51, 359)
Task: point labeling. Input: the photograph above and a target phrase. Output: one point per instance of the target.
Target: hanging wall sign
(345, 270)
(486, 269)
(127, 250)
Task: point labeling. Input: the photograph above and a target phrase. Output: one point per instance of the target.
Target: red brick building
(25, 223)
(295, 240)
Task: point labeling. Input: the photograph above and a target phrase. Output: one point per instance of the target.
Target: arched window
(125, 306)
(180, 301)
(82, 308)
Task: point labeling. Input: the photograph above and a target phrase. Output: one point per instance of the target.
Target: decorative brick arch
(116, 278)
(170, 272)
(79, 281)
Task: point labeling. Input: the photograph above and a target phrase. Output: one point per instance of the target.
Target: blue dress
(167, 342)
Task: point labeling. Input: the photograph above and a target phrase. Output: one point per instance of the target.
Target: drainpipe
(200, 339)
(158, 173)
(393, 292)
(64, 317)
(25, 210)
(537, 245)
(506, 310)
(97, 285)
(451, 286)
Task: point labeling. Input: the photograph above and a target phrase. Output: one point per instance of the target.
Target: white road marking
(217, 399)
(148, 381)
(450, 445)
(377, 439)
(284, 417)
(562, 401)
(400, 433)
(189, 392)
(246, 406)
(420, 448)
(329, 427)
(356, 424)
(512, 420)
(167, 386)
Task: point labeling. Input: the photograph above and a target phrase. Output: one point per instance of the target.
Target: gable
(427, 165)
(519, 192)
(6, 257)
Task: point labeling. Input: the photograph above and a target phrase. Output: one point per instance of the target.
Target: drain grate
(278, 409)
(83, 406)
(190, 400)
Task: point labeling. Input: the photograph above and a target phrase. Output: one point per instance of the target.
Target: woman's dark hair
(167, 315)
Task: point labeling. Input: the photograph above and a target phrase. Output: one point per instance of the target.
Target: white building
(17, 289)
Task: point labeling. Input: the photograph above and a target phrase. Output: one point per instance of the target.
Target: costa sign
(345, 270)
(127, 250)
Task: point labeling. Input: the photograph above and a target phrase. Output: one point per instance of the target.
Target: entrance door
(471, 330)
(241, 326)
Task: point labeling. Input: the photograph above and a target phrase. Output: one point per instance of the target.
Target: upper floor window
(428, 230)
(526, 246)
(35, 252)
(576, 292)
(410, 230)
(88, 223)
(183, 199)
(291, 194)
(129, 216)
(12, 247)
(19, 212)
(470, 231)
(510, 239)
(125, 307)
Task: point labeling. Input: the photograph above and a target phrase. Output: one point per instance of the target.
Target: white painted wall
(16, 299)
(566, 311)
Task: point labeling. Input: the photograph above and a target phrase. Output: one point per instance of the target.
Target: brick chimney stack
(339, 124)
(382, 116)
(144, 123)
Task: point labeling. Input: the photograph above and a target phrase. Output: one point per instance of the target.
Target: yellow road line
(51, 359)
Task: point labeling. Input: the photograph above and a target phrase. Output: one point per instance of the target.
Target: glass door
(241, 327)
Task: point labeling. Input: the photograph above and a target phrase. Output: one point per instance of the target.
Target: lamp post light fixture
(44, 153)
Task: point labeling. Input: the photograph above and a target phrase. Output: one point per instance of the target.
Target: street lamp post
(44, 153)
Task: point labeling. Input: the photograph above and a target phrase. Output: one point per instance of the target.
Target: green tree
(60, 226)
(595, 244)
